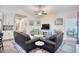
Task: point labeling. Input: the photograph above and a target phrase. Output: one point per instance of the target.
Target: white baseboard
(77, 48)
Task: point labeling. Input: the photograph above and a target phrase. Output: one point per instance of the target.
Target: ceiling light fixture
(40, 12)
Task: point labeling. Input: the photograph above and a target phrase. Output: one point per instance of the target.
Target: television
(45, 26)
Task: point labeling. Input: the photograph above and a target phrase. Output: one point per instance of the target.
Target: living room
(39, 21)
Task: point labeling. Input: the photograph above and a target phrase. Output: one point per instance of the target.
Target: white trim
(77, 48)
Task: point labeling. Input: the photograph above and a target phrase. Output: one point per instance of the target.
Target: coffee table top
(38, 35)
(39, 43)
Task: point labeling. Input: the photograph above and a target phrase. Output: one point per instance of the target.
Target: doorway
(69, 44)
(20, 23)
(71, 28)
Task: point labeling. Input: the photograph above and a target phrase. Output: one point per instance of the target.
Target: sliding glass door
(71, 28)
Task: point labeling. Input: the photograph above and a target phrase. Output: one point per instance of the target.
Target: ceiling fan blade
(35, 12)
(44, 13)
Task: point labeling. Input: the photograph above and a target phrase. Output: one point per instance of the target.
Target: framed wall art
(59, 21)
(38, 23)
(31, 23)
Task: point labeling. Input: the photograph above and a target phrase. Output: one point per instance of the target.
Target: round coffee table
(39, 43)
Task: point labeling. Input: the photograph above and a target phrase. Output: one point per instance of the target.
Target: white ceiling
(55, 10)
(49, 8)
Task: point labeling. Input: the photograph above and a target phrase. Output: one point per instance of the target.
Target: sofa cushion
(52, 38)
(28, 38)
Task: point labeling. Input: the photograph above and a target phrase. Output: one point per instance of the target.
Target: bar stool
(1, 42)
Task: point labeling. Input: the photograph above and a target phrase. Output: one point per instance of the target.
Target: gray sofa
(51, 44)
(24, 41)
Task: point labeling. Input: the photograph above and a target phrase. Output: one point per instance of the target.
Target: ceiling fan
(40, 12)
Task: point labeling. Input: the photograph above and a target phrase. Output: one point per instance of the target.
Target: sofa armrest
(31, 41)
(51, 42)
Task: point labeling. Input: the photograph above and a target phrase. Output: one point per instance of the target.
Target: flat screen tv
(45, 26)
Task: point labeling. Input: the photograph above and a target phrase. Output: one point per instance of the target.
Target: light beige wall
(9, 13)
(50, 19)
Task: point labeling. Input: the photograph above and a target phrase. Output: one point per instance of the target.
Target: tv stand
(45, 32)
